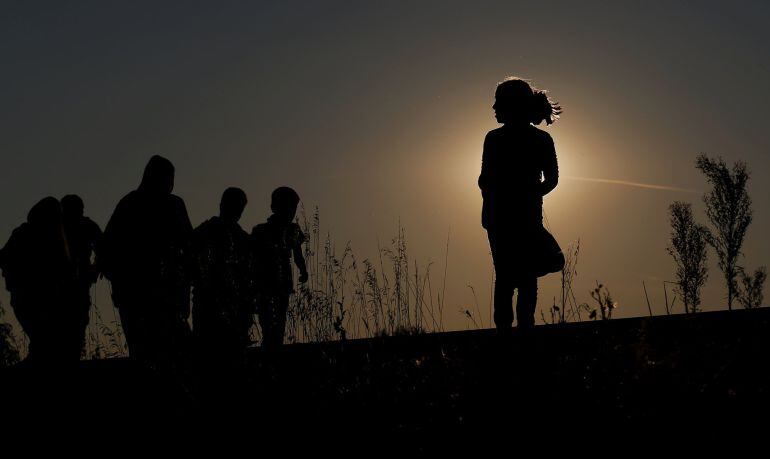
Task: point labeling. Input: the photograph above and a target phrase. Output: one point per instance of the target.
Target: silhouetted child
(222, 293)
(518, 168)
(275, 242)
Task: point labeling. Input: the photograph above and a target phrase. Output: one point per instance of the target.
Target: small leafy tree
(750, 295)
(728, 207)
(688, 248)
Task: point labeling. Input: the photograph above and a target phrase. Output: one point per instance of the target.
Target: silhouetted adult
(82, 234)
(223, 305)
(518, 168)
(39, 275)
(275, 243)
(145, 255)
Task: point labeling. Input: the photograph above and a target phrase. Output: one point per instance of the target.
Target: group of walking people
(155, 260)
(156, 263)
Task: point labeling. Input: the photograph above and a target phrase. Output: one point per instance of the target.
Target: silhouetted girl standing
(518, 169)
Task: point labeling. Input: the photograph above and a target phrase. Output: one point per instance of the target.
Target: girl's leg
(503, 300)
(504, 281)
(526, 303)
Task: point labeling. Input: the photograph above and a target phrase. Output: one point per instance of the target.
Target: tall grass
(566, 308)
(346, 297)
(104, 338)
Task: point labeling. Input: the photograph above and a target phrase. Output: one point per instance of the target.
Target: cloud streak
(648, 186)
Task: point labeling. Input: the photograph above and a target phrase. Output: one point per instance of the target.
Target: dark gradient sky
(377, 112)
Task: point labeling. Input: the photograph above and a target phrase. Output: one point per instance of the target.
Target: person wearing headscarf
(145, 255)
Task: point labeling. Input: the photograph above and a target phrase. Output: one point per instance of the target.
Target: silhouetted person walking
(275, 242)
(518, 168)
(82, 234)
(223, 304)
(40, 275)
(145, 255)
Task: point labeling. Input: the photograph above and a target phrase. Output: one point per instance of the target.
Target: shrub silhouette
(750, 295)
(728, 207)
(688, 248)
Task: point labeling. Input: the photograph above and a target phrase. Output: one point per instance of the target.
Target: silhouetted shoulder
(178, 204)
(205, 227)
(12, 255)
(240, 231)
(17, 235)
(19, 231)
(91, 228)
(180, 208)
(123, 212)
(259, 229)
(493, 135)
(544, 136)
(122, 215)
(216, 225)
(128, 199)
(260, 234)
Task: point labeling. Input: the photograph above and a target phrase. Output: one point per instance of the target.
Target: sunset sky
(376, 112)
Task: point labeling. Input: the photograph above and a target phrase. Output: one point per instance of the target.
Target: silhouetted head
(232, 204)
(158, 176)
(516, 102)
(72, 207)
(283, 203)
(45, 215)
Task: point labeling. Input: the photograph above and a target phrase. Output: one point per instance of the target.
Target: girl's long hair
(538, 106)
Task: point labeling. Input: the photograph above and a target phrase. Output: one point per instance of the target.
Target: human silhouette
(39, 274)
(518, 168)
(83, 235)
(275, 242)
(145, 255)
(223, 304)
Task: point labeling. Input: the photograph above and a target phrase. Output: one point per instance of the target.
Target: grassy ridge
(673, 371)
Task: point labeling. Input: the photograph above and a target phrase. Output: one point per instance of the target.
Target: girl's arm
(550, 169)
(484, 177)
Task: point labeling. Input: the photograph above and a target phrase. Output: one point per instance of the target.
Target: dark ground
(646, 378)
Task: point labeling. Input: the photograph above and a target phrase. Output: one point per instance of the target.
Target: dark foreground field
(647, 377)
